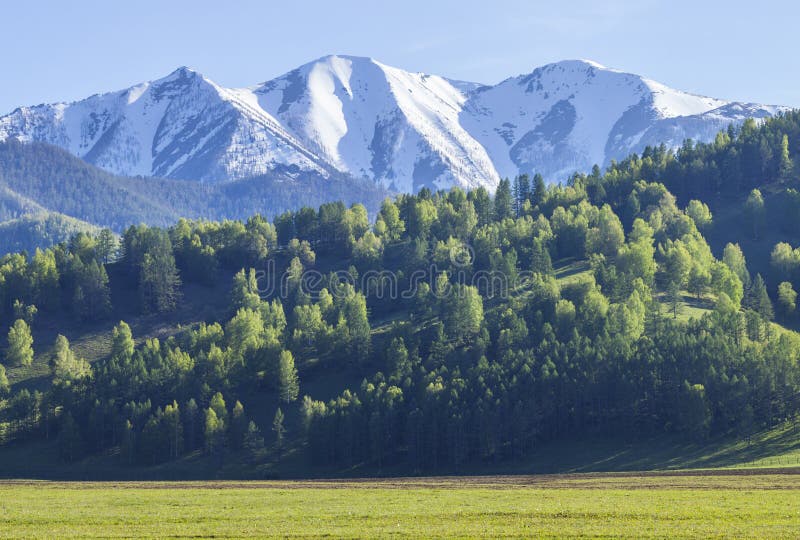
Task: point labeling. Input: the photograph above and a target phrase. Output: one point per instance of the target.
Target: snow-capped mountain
(363, 118)
(368, 119)
(568, 116)
(181, 126)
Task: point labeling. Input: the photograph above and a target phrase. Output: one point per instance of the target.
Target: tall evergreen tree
(5, 388)
(238, 426)
(253, 442)
(784, 161)
(522, 192)
(288, 381)
(214, 432)
(539, 190)
(159, 283)
(20, 345)
(503, 203)
(278, 429)
(70, 441)
(787, 299)
(754, 209)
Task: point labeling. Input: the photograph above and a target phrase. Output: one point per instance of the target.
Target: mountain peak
(330, 59)
(182, 72)
(355, 115)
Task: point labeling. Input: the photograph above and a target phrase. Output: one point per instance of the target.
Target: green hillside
(35, 230)
(38, 179)
(606, 324)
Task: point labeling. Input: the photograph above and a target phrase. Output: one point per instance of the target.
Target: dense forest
(42, 186)
(479, 325)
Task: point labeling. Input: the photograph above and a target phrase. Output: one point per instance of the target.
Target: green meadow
(677, 505)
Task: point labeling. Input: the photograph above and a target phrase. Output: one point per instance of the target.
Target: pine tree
(106, 246)
(24, 312)
(92, 299)
(754, 208)
(288, 382)
(122, 344)
(539, 190)
(277, 427)
(20, 345)
(483, 205)
(214, 432)
(238, 427)
(503, 207)
(253, 442)
(65, 366)
(764, 305)
(192, 428)
(674, 297)
(734, 259)
(540, 258)
(784, 161)
(70, 442)
(128, 444)
(522, 192)
(244, 293)
(398, 365)
(159, 283)
(787, 299)
(217, 404)
(5, 388)
(173, 428)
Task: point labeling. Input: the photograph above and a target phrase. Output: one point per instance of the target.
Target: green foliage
(700, 214)
(214, 432)
(38, 230)
(20, 345)
(694, 414)
(5, 388)
(461, 370)
(754, 209)
(149, 252)
(734, 259)
(288, 382)
(787, 299)
(66, 368)
(503, 203)
(607, 236)
(389, 225)
(278, 428)
(253, 442)
(70, 442)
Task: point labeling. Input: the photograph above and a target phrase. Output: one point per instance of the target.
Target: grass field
(633, 506)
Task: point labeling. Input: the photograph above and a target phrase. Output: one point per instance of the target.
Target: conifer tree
(238, 426)
(20, 345)
(288, 381)
(503, 205)
(217, 404)
(787, 299)
(65, 366)
(70, 442)
(279, 429)
(539, 190)
(5, 388)
(214, 432)
(784, 161)
(253, 442)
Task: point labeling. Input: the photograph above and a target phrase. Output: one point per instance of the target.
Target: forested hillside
(42, 180)
(454, 329)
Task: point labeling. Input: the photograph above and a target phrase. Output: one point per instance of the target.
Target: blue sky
(65, 50)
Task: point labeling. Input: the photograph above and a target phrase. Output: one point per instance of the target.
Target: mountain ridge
(360, 117)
